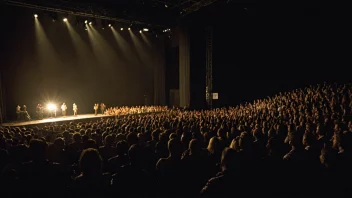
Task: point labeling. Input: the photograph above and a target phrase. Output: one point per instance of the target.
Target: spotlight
(145, 29)
(140, 31)
(51, 107)
(121, 29)
(90, 23)
(65, 19)
(109, 25)
(129, 28)
(35, 15)
(86, 21)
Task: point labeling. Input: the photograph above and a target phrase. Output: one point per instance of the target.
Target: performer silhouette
(63, 109)
(96, 107)
(75, 109)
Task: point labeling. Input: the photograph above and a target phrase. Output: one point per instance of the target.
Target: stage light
(121, 29)
(90, 23)
(35, 15)
(140, 31)
(65, 19)
(129, 28)
(109, 25)
(51, 107)
(145, 29)
(86, 21)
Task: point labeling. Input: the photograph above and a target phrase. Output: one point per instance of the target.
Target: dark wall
(56, 67)
(171, 70)
(255, 55)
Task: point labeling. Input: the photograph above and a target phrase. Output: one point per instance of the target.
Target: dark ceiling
(167, 13)
(154, 12)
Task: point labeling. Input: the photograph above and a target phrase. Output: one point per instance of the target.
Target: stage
(61, 120)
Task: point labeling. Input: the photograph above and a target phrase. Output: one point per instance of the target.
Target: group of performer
(51, 112)
(101, 106)
(22, 113)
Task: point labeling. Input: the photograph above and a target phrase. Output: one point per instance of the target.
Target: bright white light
(65, 19)
(51, 107)
(90, 23)
(86, 21)
(35, 15)
(140, 31)
(145, 29)
(109, 25)
(121, 29)
(129, 28)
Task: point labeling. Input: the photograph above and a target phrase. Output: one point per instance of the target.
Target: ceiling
(152, 12)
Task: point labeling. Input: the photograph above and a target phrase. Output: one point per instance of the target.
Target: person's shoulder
(78, 178)
(214, 181)
(162, 160)
(112, 159)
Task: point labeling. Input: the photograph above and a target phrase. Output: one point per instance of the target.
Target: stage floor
(57, 119)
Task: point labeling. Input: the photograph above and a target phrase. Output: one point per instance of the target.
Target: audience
(295, 144)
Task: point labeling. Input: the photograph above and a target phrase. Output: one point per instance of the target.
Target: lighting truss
(186, 6)
(77, 9)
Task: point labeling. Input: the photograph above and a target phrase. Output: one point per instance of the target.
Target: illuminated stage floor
(84, 117)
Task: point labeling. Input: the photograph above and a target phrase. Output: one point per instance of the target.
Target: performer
(41, 112)
(102, 108)
(63, 109)
(96, 107)
(75, 109)
(25, 113)
(18, 112)
(38, 110)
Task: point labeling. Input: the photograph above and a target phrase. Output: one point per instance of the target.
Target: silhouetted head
(175, 147)
(121, 148)
(135, 154)
(194, 147)
(228, 159)
(38, 149)
(214, 145)
(90, 162)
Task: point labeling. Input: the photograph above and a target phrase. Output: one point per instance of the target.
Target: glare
(109, 25)
(65, 19)
(86, 21)
(129, 28)
(90, 23)
(121, 28)
(140, 31)
(145, 29)
(35, 15)
(51, 107)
